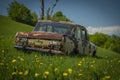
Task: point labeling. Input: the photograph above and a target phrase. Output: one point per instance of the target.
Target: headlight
(21, 41)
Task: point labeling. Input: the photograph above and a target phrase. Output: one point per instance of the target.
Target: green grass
(9, 27)
(19, 65)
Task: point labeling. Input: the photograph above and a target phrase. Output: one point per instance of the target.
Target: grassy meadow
(19, 65)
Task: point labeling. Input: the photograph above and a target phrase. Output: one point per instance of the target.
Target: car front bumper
(39, 49)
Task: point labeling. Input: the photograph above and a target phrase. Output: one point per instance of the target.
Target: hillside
(20, 65)
(9, 27)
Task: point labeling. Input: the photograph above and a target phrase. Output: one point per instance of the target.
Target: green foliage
(99, 39)
(20, 13)
(58, 16)
(105, 41)
(34, 18)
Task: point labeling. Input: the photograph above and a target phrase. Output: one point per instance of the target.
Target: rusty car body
(56, 37)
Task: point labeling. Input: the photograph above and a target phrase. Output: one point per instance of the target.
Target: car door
(78, 37)
(85, 42)
(82, 41)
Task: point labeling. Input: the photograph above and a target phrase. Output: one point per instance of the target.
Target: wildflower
(107, 77)
(79, 64)
(70, 70)
(46, 73)
(65, 74)
(14, 73)
(20, 73)
(37, 74)
(26, 72)
(14, 60)
(80, 74)
(56, 69)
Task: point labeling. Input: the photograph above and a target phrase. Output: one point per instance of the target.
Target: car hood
(43, 35)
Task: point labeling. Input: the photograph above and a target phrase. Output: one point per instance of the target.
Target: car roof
(62, 22)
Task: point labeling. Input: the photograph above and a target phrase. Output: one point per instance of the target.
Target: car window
(61, 29)
(49, 28)
(43, 28)
(84, 36)
(54, 27)
(78, 33)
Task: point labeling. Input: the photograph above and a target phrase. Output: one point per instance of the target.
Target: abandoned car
(56, 37)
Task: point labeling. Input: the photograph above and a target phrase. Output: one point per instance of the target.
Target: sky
(96, 15)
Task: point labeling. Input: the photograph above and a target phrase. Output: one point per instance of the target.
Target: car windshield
(53, 27)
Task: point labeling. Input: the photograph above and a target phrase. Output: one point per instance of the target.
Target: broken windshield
(53, 27)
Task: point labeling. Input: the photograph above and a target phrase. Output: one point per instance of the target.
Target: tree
(58, 16)
(20, 13)
(99, 39)
(105, 41)
(34, 18)
(49, 10)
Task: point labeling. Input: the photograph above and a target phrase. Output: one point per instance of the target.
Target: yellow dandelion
(56, 69)
(20, 73)
(26, 72)
(70, 70)
(14, 73)
(65, 74)
(80, 74)
(46, 72)
(107, 77)
(37, 74)
(14, 60)
(79, 64)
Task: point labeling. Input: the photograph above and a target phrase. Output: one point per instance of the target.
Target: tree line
(106, 41)
(20, 13)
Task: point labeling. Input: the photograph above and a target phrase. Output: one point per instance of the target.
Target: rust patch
(43, 35)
